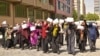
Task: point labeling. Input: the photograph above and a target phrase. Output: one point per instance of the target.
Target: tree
(82, 17)
(75, 15)
(90, 16)
(96, 17)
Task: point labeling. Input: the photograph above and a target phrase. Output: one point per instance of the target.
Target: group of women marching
(50, 34)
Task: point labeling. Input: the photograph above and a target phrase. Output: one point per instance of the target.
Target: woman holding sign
(33, 36)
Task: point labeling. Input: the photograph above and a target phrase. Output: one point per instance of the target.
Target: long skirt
(61, 38)
(55, 44)
(44, 45)
(8, 43)
(17, 40)
(71, 44)
(23, 41)
(33, 40)
(92, 44)
(39, 43)
(50, 40)
(82, 45)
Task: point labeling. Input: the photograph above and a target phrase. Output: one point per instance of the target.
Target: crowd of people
(50, 34)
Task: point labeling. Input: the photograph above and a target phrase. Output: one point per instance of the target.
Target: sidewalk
(27, 52)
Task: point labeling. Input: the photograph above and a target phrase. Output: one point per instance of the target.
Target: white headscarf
(61, 21)
(69, 19)
(80, 27)
(56, 21)
(49, 20)
(4, 22)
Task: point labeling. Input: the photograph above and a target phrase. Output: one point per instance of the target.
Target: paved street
(27, 52)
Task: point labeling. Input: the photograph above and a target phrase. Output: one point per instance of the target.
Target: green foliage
(82, 17)
(75, 15)
(90, 16)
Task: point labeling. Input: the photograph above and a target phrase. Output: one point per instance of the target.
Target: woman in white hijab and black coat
(49, 33)
(61, 37)
(70, 35)
(3, 27)
(55, 38)
(81, 38)
(92, 36)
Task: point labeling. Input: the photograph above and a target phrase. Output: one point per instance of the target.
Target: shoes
(58, 52)
(92, 50)
(37, 49)
(70, 53)
(22, 48)
(6, 48)
(45, 52)
(73, 53)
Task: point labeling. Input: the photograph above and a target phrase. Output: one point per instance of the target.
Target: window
(4, 9)
(38, 14)
(68, 2)
(31, 13)
(45, 15)
(68, 9)
(59, 5)
(65, 8)
(96, 8)
(51, 2)
(43, 1)
(20, 11)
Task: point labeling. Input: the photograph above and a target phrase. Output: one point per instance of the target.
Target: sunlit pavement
(34, 52)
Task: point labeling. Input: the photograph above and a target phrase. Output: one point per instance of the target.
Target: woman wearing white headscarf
(70, 35)
(81, 38)
(3, 27)
(55, 38)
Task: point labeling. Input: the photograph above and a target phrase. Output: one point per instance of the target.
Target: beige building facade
(15, 11)
(79, 6)
(97, 7)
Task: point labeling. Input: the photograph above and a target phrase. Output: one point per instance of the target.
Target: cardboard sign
(24, 26)
(32, 28)
(80, 27)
